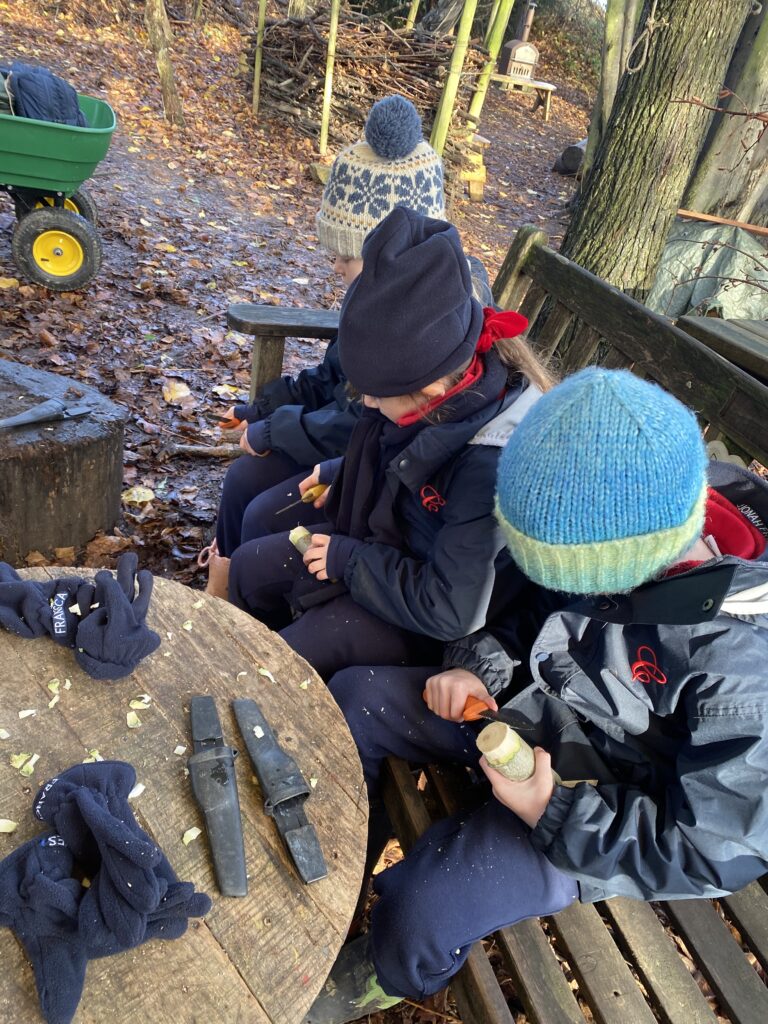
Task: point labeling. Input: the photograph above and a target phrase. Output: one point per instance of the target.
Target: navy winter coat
(308, 418)
(39, 94)
(441, 581)
(662, 696)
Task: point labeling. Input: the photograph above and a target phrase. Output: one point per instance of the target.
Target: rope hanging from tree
(644, 41)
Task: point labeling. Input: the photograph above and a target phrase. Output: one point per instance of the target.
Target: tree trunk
(160, 38)
(257, 57)
(731, 179)
(644, 160)
(620, 25)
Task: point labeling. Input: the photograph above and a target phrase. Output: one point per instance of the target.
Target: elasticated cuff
(340, 550)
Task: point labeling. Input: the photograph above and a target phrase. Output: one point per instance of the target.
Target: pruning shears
(43, 412)
(310, 495)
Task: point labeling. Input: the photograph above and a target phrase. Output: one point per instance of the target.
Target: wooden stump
(59, 481)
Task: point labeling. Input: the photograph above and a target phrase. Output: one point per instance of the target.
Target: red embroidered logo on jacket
(430, 499)
(646, 668)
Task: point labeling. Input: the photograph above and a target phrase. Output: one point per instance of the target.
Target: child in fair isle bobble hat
(297, 422)
(646, 693)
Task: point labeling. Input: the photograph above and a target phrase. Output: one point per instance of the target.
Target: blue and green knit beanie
(602, 485)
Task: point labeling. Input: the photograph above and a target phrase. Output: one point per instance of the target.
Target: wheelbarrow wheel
(57, 249)
(80, 202)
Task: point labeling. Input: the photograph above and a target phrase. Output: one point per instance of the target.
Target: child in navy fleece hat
(296, 422)
(407, 555)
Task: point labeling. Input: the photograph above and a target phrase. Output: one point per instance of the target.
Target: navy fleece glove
(114, 638)
(134, 894)
(34, 608)
(39, 901)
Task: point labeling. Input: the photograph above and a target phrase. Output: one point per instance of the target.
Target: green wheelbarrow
(42, 167)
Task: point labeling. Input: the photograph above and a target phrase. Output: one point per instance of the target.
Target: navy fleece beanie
(409, 318)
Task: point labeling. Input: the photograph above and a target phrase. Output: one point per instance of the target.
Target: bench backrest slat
(726, 398)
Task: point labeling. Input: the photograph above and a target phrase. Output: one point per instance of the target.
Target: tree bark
(731, 178)
(160, 38)
(620, 25)
(645, 157)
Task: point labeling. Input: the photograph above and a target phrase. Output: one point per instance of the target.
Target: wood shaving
(191, 835)
(187, 625)
(7, 826)
(29, 767)
(54, 700)
(181, 749)
(132, 720)
(137, 790)
(4, 734)
(27, 713)
(54, 685)
(267, 674)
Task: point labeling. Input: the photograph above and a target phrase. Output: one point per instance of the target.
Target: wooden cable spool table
(260, 958)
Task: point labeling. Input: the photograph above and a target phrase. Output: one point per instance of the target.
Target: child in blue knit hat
(405, 557)
(299, 421)
(646, 694)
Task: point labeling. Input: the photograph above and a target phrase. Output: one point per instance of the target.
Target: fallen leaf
(165, 247)
(174, 391)
(54, 685)
(17, 760)
(137, 495)
(8, 283)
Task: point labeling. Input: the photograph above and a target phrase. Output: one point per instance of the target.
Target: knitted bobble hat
(409, 318)
(602, 485)
(392, 166)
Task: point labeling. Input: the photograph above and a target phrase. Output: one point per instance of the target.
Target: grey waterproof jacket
(661, 696)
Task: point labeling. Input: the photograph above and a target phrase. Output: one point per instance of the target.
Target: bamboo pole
(451, 87)
(491, 21)
(410, 21)
(495, 39)
(328, 90)
(257, 57)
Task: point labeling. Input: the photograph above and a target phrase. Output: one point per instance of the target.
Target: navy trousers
(467, 875)
(254, 491)
(331, 635)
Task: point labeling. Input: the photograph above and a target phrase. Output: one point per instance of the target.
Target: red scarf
(496, 326)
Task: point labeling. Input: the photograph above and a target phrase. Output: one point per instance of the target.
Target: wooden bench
(743, 342)
(543, 90)
(622, 960)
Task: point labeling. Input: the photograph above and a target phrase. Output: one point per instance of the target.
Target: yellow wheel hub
(57, 253)
(42, 204)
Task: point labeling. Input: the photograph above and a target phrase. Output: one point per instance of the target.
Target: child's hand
(316, 555)
(447, 692)
(527, 799)
(312, 481)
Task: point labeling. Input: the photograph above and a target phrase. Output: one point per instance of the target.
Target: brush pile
(372, 61)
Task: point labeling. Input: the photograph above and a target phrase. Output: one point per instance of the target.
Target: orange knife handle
(232, 423)
(474, 709)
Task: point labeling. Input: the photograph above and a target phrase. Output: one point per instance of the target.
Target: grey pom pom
(393, 127)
